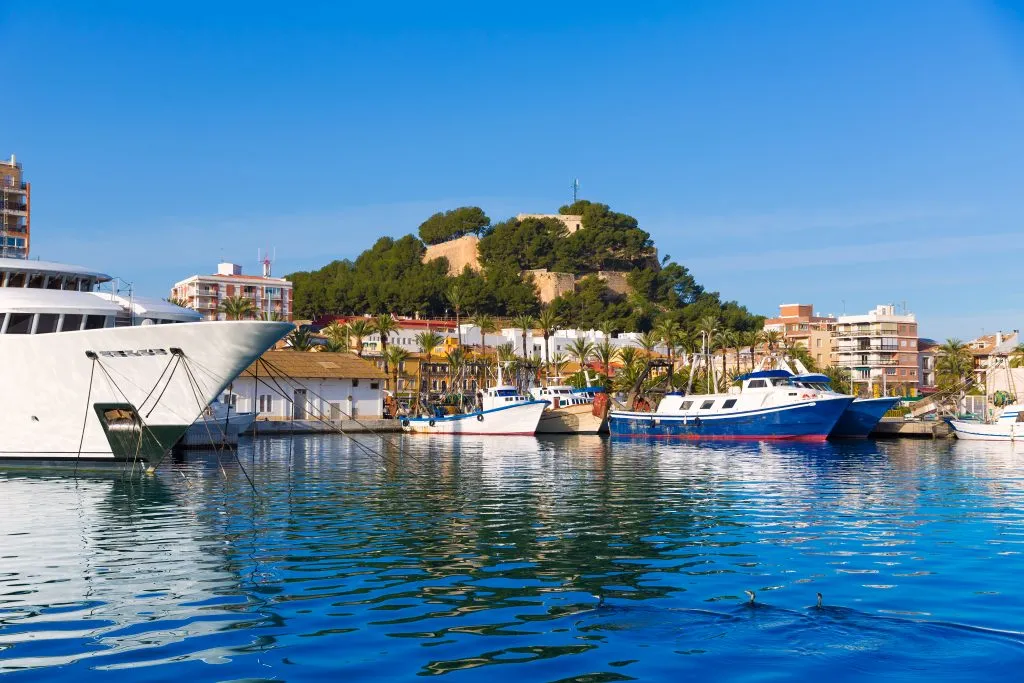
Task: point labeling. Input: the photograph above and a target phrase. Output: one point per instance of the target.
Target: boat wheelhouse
(570, 410)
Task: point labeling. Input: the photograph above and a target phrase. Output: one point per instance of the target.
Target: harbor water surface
(522, 559)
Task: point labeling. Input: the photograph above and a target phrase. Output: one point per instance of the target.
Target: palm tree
(486, 325)
(558, 361)
(299, 339)
(668, 331)
(729, 339)
(360, 328)
(839, 378)
(237, 308)
(334, 346)
(178, 301)
(648, 342)
(548, 323)
(772, 339)
(605, 353)
(271, 316)
(524, 323)
(629, 355)
(393, 358)
(954, 365)
(1017, 356)
(428, 342)
(339, 334)
(456, 363)
(753, 339)
(457, 298)
(384, 324)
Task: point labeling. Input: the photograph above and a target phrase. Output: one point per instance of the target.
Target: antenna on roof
(575, 189)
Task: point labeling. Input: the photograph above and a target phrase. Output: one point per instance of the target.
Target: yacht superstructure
(93, 375)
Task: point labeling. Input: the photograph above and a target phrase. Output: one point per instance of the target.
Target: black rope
(177, 360)
(85, 418)
(194, 384)
(157, 383)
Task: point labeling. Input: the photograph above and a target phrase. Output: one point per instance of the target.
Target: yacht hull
(130, 399)
(860, 419)
(519, 419)
(804, 421)
(575, 419)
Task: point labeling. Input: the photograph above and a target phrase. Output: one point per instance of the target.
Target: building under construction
(15, 210)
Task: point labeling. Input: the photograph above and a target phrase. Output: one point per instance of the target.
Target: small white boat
(1009, 426)
(503, 410)
(217, 426)
(570, 411)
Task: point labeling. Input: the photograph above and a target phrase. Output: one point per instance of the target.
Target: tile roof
(315, 365)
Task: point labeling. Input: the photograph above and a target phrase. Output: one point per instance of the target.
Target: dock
(916, 429)
(284, 427)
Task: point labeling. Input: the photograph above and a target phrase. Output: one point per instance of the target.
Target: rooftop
(50, 267)
(315, 365)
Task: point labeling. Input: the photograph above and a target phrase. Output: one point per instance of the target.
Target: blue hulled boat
(860, 418)
(767, 406)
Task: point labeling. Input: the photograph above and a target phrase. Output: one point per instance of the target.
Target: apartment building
(880, 349)
(989, 347)
(798, 324)
(15, 210)
(927, 350)
(270, 296)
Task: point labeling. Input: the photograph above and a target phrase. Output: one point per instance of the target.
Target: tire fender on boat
(431, 422)
(405, 422)
(480, 417)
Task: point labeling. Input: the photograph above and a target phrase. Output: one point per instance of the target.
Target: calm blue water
(482, 559)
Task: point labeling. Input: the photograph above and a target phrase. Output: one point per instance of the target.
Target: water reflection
(553, 558)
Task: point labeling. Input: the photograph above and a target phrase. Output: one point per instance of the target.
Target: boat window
(95, 322)
(36, 281)
(757, 384)
(686, 405)
(47, 323)
(72, 321)
(17, 280)
(706, 405)
(55, 282)
(729, 403)
(19, 323)
(780, 381)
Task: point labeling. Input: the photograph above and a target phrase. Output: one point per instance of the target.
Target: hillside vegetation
(390, 277)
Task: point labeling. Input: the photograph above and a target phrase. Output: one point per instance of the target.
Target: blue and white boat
(767, 406)
(1009, 426)
(502, 411)
(860, 418)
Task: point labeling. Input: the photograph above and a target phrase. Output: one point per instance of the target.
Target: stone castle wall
(461, 252)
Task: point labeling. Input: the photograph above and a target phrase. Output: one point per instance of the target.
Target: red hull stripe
(746, 437)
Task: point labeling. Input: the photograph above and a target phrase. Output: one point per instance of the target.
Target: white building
(204, 293)
(316, 386)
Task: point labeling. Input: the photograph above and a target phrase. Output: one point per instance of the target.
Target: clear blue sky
(834, 153)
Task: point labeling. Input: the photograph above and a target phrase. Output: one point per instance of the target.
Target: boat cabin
(40, 297)
(560, 395)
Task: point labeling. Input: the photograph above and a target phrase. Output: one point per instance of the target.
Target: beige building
(880, 349)
(798, 324)
(572, 223)
(460, 252)
(552, 285)
(204, 293)
(15, 210)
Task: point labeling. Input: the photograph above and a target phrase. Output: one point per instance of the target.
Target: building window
(266, 403)
(375, 385)
(355, 383)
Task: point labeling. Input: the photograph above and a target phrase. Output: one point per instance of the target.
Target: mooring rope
(85, 417)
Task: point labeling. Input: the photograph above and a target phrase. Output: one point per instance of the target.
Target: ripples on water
(577, 559)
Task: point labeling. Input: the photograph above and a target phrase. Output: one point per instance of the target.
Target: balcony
(15, 209)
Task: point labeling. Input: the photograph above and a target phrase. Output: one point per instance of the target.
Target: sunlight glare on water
(522, 559)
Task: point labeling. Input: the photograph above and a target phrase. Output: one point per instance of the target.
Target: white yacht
(219, 425)
(95, 376)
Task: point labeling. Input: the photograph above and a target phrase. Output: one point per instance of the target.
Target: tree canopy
(448, 225)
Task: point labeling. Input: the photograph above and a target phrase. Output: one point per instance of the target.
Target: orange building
(271, 296)
(798, 324)
(15, 210)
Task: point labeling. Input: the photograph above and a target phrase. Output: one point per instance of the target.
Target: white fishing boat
(1008, 426)
(218, 426)
(569, 411)
(502, 411)
(96, 376)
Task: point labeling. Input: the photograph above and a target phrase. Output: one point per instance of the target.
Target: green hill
(391, 276)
